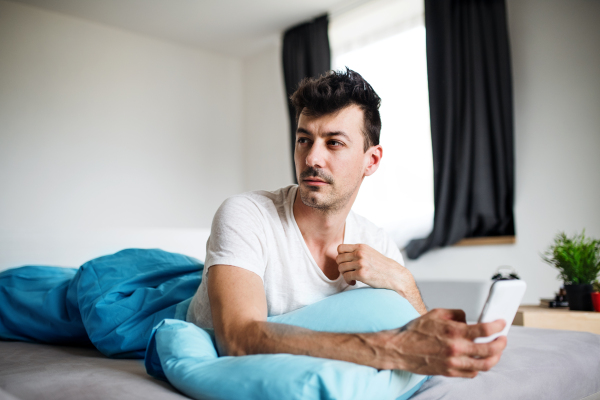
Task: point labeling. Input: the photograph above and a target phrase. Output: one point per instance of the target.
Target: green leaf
(577, 259)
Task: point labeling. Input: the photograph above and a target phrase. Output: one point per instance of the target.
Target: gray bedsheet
(43, 372)
(536, 364)
(6, 396)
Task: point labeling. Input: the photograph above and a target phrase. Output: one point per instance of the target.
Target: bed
(537, 364)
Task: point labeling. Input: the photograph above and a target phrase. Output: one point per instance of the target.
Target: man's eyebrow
(338, 133)
(328, 134)
(302, 130)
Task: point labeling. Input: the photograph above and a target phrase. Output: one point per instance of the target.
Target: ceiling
(232, 27)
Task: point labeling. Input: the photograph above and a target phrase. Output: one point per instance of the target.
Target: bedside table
(558, 318)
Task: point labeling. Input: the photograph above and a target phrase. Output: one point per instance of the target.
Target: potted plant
(578, 262)
(596, 295)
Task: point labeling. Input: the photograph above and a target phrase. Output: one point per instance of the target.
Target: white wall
(556, 59)
(267, 148)
(102, 128)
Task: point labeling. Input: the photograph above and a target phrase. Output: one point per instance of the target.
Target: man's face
(330, 158)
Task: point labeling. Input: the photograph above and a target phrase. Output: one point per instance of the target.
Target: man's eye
(335, 143)
(302, 140)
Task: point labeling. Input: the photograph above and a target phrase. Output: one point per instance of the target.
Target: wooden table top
(539, 309)
(558, 318)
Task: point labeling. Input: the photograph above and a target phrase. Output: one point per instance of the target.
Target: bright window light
(399, 196)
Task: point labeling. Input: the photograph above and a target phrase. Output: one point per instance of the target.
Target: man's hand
(441, 343)
(360, 262)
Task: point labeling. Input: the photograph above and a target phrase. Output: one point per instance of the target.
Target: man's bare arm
(438, 343)
(360, 262)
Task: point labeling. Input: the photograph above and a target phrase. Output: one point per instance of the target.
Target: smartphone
(502, 303)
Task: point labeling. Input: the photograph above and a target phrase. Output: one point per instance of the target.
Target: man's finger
(344, 257)
(483, 350)
(347, 248)
(454, 315)
(350, 277)
(348, 266)
(474, 364)
(456, 373)
(485, 329)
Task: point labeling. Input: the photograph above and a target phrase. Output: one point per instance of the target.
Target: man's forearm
(371, 349)
(407, 288)
(415, 299)
(434, 344)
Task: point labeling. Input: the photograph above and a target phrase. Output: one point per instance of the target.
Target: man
(273, 252)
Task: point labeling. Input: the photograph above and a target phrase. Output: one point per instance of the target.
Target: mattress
(47, 372)
(537, 364)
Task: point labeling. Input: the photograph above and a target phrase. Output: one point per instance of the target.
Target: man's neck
(318, 228)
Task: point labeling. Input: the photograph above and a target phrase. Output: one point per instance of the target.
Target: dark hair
(335, 90)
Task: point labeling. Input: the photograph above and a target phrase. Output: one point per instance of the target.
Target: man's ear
(372, 159)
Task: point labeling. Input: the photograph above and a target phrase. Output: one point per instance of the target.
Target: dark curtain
(305, 54)
(470, 99)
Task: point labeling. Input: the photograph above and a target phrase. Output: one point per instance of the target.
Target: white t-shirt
(257, 231)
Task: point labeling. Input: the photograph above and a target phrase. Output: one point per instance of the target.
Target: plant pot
(596, 300)
(580, 297)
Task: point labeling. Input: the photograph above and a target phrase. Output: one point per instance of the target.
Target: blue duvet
(112, 302)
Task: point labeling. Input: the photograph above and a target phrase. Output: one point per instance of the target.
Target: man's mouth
(315, 181)
(315, 177)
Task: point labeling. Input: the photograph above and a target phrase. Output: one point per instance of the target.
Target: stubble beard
(334, 199)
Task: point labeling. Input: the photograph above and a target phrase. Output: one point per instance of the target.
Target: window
(384, 41)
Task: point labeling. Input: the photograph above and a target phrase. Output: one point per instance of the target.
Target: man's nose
(316, 156)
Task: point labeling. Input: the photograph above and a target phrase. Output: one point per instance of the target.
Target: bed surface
(537, 364)
(44, 372)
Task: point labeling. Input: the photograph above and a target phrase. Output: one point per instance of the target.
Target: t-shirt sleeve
(237, 236)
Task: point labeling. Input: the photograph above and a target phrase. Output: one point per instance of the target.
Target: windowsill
(484, 241)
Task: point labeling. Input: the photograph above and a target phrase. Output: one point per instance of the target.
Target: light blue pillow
(185, 355)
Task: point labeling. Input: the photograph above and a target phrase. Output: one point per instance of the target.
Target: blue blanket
(112, 302)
